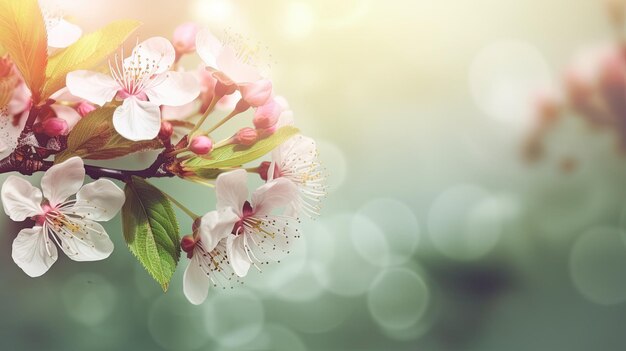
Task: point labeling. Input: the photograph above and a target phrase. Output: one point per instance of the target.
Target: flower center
(248, 212)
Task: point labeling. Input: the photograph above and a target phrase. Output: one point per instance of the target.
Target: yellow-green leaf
(95, 138)
(151, 229)
(86, 53)
(236, 155)
(23, 36)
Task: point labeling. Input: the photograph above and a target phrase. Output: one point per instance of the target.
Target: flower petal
(236, 251)
(63, 34)
(33, 251)
(274, 194)
(208, 47)
(63, 180)
(235, 69)
(175, 89)
(67, 114)
(231, 189)
(137, 120)
(85, 241)
(195, 281)
(94, 87)
(215, 226)
(99, 201)
(155, 52)
(20, 199)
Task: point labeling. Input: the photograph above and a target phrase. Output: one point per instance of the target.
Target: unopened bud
(166, 130)
(54, 126)
(184, 38)
(256, 94)
(264, 133)
(201, 145)
(266, 116)
(246, 136)
(84, 108)
(188, 243)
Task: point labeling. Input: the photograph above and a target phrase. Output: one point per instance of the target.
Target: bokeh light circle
(465, 222)
(390, 227)
(89, 298)
(598, 266)
(273, 337)
(398, 298)
(175, 324)
(347, 273)
(333, 159)
(234, 318)
(504, 77)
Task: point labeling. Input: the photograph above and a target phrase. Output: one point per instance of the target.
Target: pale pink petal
(99, 201)
(215, 226)
(236, 251)
(94, 87)
(89, 242)
(33, 251)
(63, 180)
(174, 89)
(235, 69)
(256, 93)
(65, 95)
(157, 53)
(67, 114)
(208, 47)
(195, 281)
(231, 189)
(20, 199)
(229, 102)
(274, 194)
(20, 100)
(63, 34)
(179, 113)
(137, 120)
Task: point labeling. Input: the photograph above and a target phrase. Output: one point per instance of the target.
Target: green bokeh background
(435, 235)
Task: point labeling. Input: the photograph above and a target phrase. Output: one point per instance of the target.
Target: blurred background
(437, 233)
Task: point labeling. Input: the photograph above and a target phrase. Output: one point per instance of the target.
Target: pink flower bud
(184, 38)
(166, 130)
(246, 136)
(257, 93)
(264, 133)
(201, 145)
(54, 126)
(266, 116)
(188, 243)
(84, 108)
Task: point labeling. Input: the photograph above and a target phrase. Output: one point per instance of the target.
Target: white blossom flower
(143, 82)
(70, 223)
(297, 160)
(233, 65)
(206, 249)
(255, 233)
(60, 32)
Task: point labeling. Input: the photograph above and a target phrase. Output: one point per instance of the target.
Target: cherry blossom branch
(27, 165)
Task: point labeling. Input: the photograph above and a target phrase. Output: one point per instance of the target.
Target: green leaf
(95, 138)
(86, 53)
(151, 230)
(236, 155)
